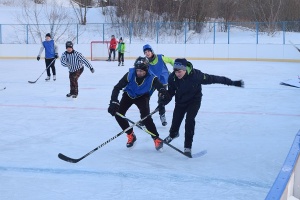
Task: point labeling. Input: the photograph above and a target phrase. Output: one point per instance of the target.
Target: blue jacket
(160, 70)
(49, 48)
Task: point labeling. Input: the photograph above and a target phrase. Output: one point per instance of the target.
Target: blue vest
(134, 90)
(160, 70)
(49, 48)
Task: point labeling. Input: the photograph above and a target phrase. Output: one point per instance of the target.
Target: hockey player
(50, 55)
(121, 51)
(157, 64)
(75, 61)
(112, 48)
(185, 84)
(138, 85)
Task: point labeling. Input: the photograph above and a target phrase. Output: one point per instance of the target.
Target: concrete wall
(260, 52)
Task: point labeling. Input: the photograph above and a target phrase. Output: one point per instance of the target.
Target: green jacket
(165, 59)
(121, 47)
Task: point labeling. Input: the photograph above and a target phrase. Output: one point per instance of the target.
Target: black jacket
(189, 88)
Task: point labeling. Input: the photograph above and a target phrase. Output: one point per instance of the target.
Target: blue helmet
(147, 47)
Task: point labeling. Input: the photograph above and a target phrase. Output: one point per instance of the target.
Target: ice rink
(247, 133)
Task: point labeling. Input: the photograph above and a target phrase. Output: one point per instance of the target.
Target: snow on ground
(247, 134)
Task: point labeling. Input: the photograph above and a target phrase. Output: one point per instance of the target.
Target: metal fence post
(185, 30)
(283, 31)
(103, 32)
(214, 33)
(0, 33)
(130, 31)
(157, 27)
(228, 32)
(257, 29)
(26, 33)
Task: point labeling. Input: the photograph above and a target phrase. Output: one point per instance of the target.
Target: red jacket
(113, 43)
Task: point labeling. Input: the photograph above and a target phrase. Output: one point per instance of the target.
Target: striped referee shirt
(74, 61)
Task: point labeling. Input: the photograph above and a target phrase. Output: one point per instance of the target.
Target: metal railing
(159, 32)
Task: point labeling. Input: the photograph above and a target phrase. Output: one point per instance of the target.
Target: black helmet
(69, 44)
(141, 63)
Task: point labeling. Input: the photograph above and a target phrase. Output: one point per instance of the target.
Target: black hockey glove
(56, 56)
(239, 83)
(38, 58)
(113, 107)
(92, 70)
(163, 97)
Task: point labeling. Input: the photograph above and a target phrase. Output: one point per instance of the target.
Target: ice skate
(131, 139)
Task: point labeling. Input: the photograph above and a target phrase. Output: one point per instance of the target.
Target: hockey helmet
(141, 63)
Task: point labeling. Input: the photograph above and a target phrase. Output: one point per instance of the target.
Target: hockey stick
(150, 133)
(42, 73)
(294, 45)
(73, 160)
(3, 89)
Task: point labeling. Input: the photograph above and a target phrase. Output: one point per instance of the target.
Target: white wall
(262, 52)
(287, 184)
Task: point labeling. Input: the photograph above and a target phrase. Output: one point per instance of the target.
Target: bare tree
(225, 10)
(44, 18)
(81, 8)
(267, 12)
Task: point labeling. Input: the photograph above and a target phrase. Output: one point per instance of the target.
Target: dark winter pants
(143, 105)
(52, 66)
(74, 76)
(191, 111)
(121, 57)
(114, 54)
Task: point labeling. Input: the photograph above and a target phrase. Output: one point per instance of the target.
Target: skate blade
(129, 148)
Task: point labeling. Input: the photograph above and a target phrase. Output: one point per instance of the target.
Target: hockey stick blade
(42, 73)
(68, 159)
(199, 154)
(3, 89)
(74, 160)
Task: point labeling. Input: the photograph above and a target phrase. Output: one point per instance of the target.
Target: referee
(75, 62)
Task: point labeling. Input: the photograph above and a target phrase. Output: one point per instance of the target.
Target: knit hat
(180, 64)
(121, 38)
(147, 47)
(48, 35)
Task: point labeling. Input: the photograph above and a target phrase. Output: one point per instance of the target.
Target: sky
(247, 133)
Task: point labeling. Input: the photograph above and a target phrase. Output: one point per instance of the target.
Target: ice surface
(247, 134)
